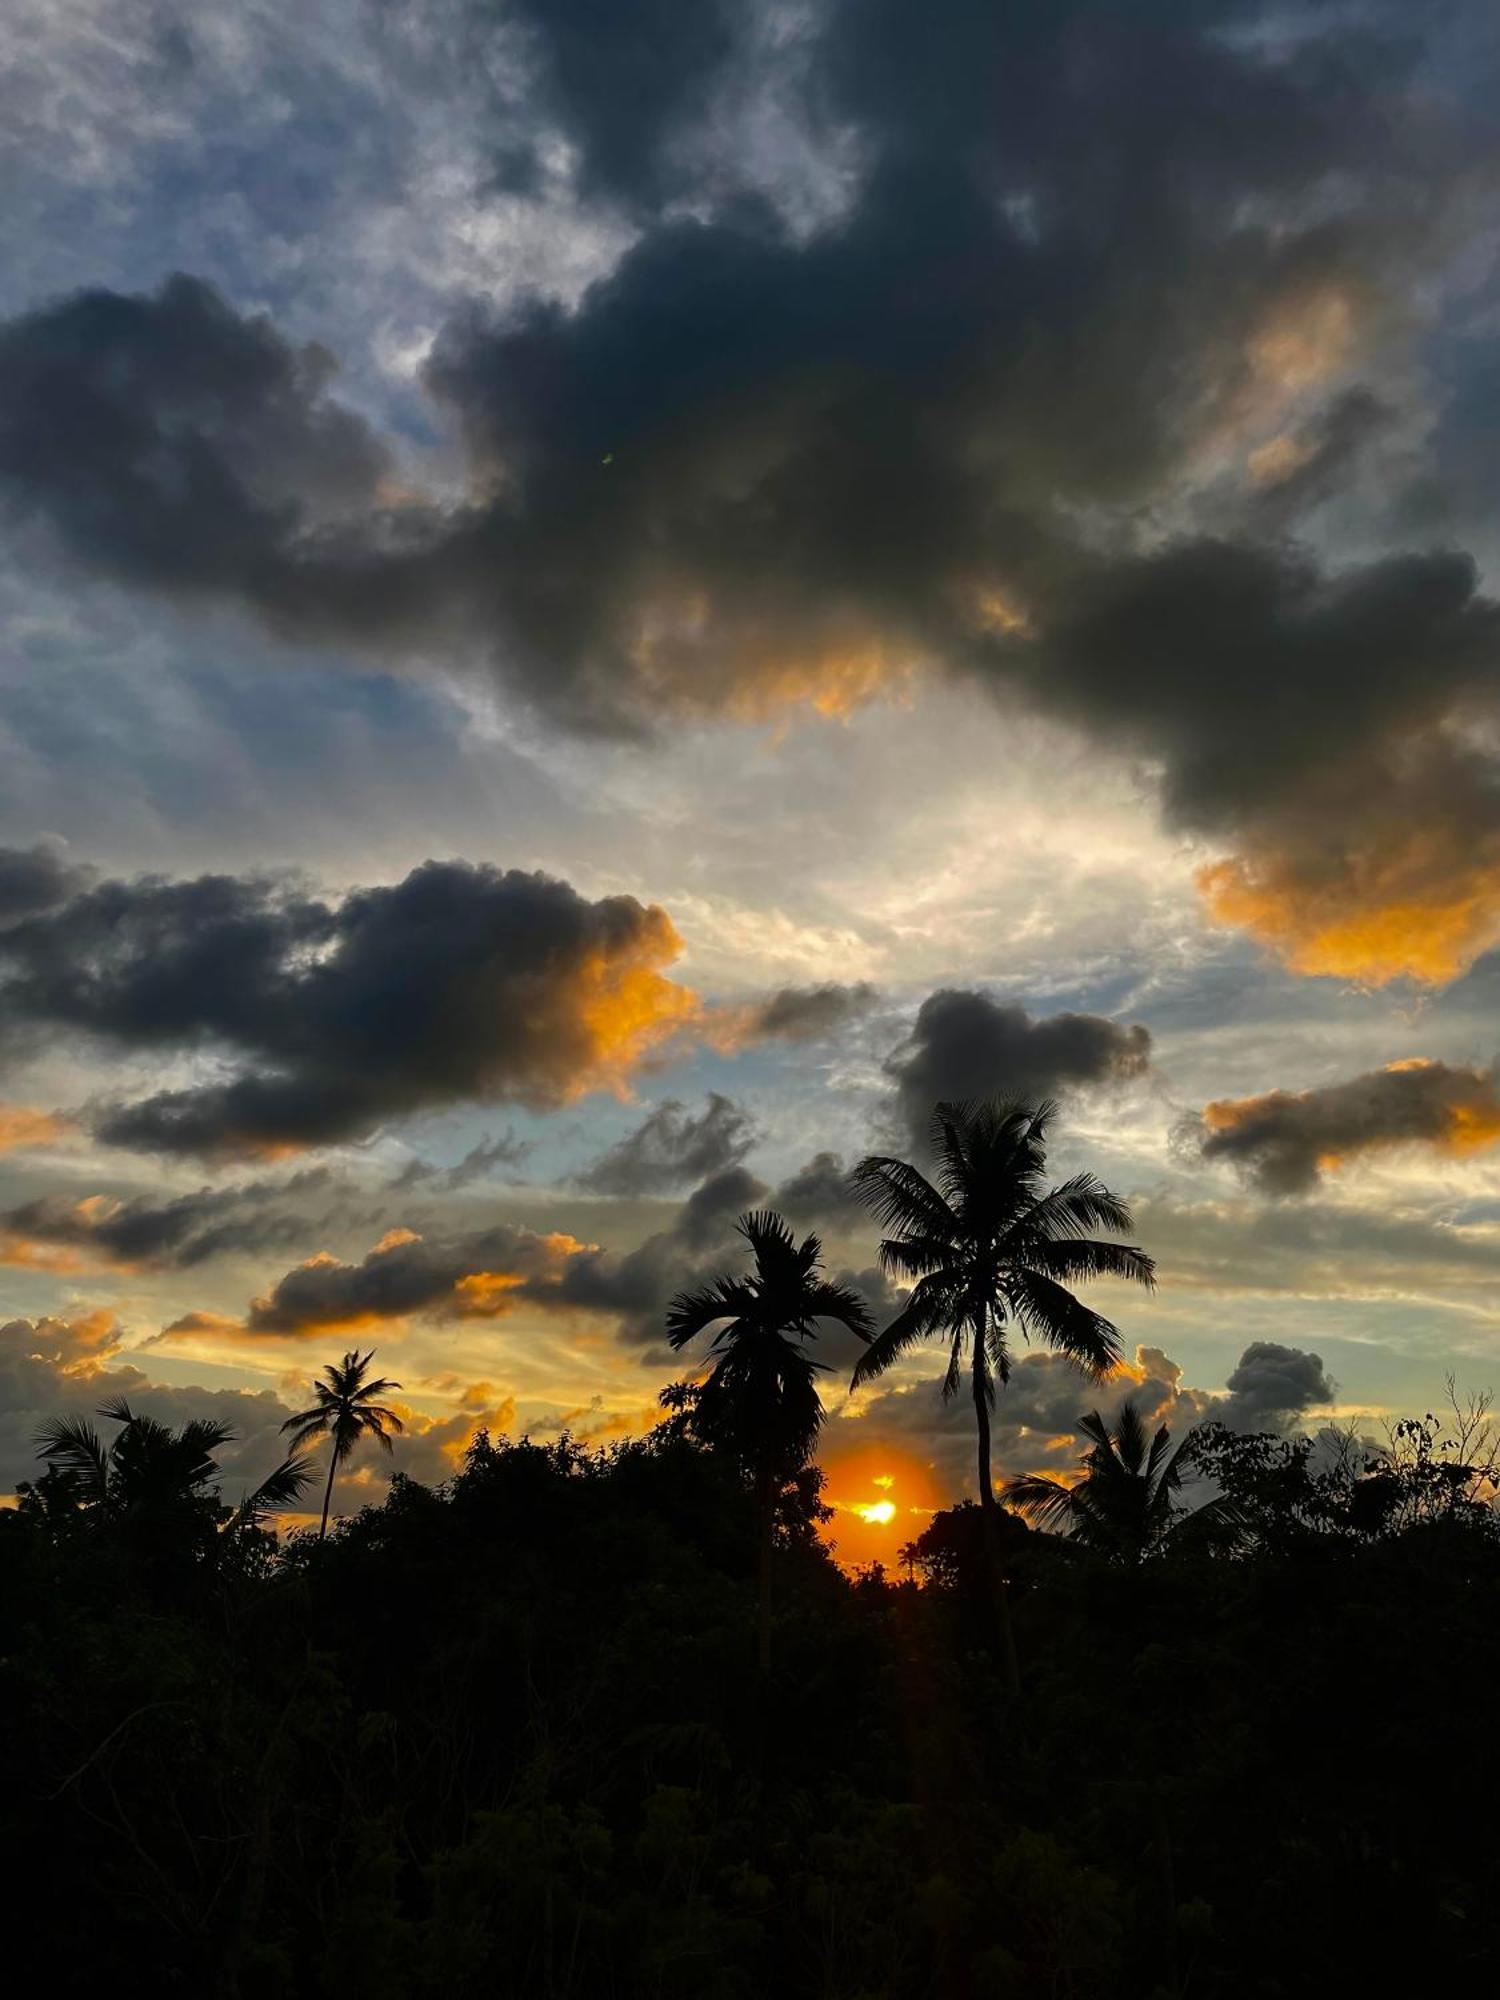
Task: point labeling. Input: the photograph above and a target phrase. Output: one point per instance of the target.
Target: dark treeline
(595, 1724)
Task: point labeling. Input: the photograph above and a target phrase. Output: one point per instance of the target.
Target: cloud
(478, 1164)
(671, 1146)
(1036, 1414)
(1285, 1141)
(98, 1230)
(964, 1044)
(793, 1014)
(53, 1367)
(22, 1126)
(458, 984)
(175, 443)
(1271, 1386)
(34, 879)
(480, 1275)
(1071, 273)
(819, 1193)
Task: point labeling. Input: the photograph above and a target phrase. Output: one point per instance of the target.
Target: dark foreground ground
(510, 1739)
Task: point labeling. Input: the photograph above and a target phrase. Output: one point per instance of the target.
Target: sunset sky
(600, 603)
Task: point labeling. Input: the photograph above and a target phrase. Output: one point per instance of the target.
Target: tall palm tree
(761, 1402)
(1126, 1506)
(344, 1410)
(989, 1247)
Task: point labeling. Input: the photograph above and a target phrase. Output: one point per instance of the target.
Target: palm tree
(160, 1485)
(761, 1403)
(990, 1246)
(1126, 1505)
(345, 1410)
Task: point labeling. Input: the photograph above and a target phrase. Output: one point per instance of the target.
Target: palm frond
(1074, 1208)
(1049, 1312)
(923, 1314)
(1078, 1260)
(72, 1446)
(1046, 1501)
(280, 1488)
(827, 1300)
(691, 1311)
(901, 1197)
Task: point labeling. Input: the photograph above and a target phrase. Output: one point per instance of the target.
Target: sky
(600, 604)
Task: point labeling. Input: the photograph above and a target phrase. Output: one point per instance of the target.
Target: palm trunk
(989, 1513)
(765, 1495)
(333, 1466)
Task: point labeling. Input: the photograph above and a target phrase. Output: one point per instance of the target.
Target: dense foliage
(510, 1737)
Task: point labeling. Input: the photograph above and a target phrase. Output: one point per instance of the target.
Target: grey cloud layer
(670, 1147)
(1081, 264)
(189, 1229)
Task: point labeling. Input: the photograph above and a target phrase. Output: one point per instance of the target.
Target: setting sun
(881, 1499)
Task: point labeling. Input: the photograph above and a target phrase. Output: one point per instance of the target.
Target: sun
(881, 1498)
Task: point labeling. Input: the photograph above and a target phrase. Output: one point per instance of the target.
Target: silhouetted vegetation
(519, 1735)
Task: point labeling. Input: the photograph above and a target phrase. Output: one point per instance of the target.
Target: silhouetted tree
(760, 1403)
(156, 1486)
(345, 1410)
(1126, 1505)
(990, 1246)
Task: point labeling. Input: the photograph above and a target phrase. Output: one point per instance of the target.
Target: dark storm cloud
(458, 983)
(1086, 260)
(173, 442)
(182, 1232)
(1272, 1386)
(34, 879)
(625, 81)
(670, 1147)
(1285, 1140)
(963, 1044)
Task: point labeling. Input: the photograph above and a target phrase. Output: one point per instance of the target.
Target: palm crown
(762, 1396)
(991, 1246)
(155, 1482)
(760, 1402)
(345, 1410)
(1126, 1506)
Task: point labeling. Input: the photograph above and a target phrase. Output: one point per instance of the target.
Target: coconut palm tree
(1126, 1506)
(344, 1410)
(760, 1402)
(990, 1250)
(157, 1484)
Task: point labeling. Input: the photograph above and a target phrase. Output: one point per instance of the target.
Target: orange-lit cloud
(1284, 1140)
(483, 1275)
(1360, 925)
(23, 1126)
(625, 1007)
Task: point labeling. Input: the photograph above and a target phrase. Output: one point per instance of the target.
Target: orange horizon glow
(881, 1498)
